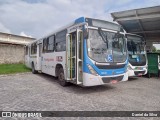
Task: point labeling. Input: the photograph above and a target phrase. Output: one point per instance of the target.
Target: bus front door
(74, 56)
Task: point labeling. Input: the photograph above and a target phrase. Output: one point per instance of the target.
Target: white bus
(137, 57)
(87, 52)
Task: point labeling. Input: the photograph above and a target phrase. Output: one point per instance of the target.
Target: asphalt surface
(41, 92)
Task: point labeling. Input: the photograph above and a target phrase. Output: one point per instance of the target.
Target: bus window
(44, 45)
(26, 50)
(50, 44)
(61, 41)
(40, 50)
(33, 48)
(80, 44)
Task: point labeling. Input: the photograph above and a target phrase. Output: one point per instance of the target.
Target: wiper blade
(104, 37)
(133, 47)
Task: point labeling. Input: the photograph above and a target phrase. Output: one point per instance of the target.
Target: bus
(137, 57)
(87, 52)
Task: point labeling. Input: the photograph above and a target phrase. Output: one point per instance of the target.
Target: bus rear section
(31, 56)
(137, 55)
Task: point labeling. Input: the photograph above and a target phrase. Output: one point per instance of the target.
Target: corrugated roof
(144, 21)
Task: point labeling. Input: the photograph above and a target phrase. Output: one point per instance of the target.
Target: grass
(13, 68)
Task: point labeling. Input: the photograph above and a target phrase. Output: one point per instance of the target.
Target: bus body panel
(137, 70)
(92, 80)
(27, 61)
(131, 73)
(27, 58)
(50, 60)
(33, 60)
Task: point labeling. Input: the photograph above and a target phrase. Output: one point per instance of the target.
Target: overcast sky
(157, 46)
(37, 18)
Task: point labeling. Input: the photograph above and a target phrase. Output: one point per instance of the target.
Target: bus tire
(61, 78)
(33, 69)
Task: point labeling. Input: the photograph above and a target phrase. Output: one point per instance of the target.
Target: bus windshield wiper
(104, 37)
(133, 47)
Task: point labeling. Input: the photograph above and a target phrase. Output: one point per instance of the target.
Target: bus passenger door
(74, 56)
(39, 56)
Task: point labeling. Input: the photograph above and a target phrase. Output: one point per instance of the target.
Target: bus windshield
(136, 49)
(104, 46)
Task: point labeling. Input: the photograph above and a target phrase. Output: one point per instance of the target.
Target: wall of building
(10, 53)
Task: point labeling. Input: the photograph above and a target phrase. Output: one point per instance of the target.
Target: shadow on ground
(75, 88)
(133, 78)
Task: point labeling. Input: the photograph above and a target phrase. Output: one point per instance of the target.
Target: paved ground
(42, 92)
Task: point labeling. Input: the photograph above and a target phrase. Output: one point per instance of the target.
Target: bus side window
(26, 50)
(50, 44)
(44, 45)
(29, 50)
(33, 48)
(60, 43)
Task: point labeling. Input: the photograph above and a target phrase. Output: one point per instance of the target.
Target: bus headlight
(92, 70)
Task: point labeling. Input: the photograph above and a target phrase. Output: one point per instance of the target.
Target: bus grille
(115, 66)
(109, 79)
(139, 72)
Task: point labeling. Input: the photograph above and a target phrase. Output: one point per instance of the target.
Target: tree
(158, 51)
(154, 49)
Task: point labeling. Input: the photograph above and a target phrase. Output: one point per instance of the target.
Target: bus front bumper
(92, 80)
(132, 73)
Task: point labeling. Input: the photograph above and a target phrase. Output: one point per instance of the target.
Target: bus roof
(77, 21)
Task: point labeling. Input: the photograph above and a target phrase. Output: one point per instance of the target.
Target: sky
(36, 18)
(157, 46)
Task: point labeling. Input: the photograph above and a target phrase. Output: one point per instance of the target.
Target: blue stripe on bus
(80, 20)
(100, 72)
(85, 61)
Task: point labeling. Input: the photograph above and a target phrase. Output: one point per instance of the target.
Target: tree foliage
(154, 49)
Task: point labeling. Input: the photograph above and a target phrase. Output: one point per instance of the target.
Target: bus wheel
(33, 69)
(61, 78)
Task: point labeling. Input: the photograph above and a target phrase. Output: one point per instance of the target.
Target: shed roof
(144, 21)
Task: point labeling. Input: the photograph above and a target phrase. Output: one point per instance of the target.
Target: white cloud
(4, 29)
(157, 46)
(23, 34)
(40, 17)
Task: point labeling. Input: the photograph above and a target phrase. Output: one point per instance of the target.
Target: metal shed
(144, 21)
